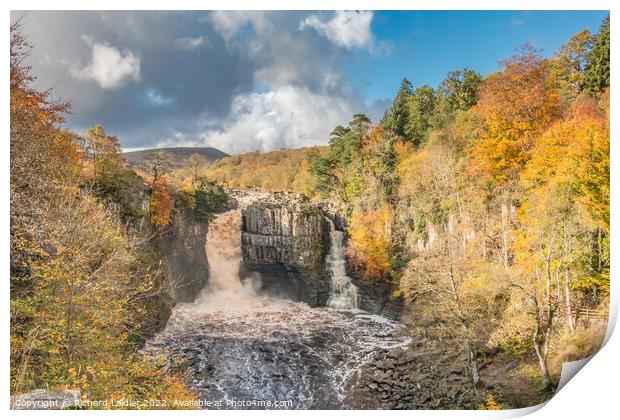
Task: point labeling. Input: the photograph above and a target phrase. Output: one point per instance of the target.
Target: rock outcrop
(183, 247)
(377, 298)
(285, 242)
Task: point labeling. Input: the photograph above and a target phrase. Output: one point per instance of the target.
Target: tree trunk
(542, 349)
(504, 217)
(570, 320)
(542, 364)
(473, 364)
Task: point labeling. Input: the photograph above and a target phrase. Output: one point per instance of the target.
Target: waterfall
(223, 247)
(343, 292)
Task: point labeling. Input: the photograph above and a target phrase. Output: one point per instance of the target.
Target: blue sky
(262, 80)
(429, 44)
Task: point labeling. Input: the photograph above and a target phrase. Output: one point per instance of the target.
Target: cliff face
(286, 244)
(376, 298)
(183, 247)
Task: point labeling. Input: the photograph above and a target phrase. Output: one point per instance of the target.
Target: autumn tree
(161, 204)
(457, 294)
(370, 243)
(104, 151)
(569, 64)
(156, 164)
(194, 163)
(515, 105)
(571, 162)
(80, 284)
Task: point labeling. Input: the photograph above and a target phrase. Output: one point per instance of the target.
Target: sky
(260, 81)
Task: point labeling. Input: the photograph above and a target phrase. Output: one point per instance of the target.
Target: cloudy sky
(245, 81)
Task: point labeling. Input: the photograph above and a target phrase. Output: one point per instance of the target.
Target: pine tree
(398, 115)
(597, 69)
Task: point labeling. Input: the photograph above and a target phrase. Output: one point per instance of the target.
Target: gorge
(278, 321)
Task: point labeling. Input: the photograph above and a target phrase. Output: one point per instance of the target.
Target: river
(240, 349)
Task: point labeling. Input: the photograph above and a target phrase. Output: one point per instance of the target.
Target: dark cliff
(183, 247)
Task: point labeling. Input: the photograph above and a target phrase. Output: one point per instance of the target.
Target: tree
(571, 161)
(421, 105)
(156, 164)
(369, 246)
(104, 152)
(398, 115)
(457, 294)
(548, 250)
(80, 284)
(514, 107)
(575, 152)
(195, 162)
(460, 88)
(210, 199)
(569, 64)
(598, 68)
(332, 170)
(449, 281)
(161, 204)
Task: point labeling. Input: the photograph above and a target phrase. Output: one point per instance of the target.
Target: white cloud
(285, 117)
(228, 22)
(348, 29)
(156, 98)
(109, 67)
(189, 43)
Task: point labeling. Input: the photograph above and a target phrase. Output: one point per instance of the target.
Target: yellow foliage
(515, 106)
(369, 245)
(491, 404)
(281, 170)
(574, 153)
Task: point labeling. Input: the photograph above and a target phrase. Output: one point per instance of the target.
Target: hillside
(179, 153)
(280, 170)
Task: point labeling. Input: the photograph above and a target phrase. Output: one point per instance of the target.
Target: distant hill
(179, 153)
(280, 170)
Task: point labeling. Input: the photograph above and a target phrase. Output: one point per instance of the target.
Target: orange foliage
(369, 245)
(161, 204)
(514, 107)
(575, 153)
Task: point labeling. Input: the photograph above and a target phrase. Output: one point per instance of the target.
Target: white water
(226, 291)
(343, 293)
(233, 343)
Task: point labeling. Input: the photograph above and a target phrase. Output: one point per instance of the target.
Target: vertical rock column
(286, 245)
